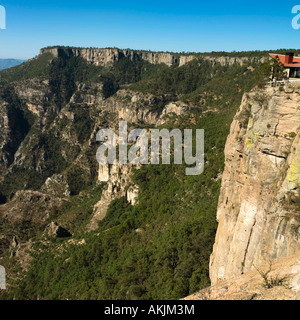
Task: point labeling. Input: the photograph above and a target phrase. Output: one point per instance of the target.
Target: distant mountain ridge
(9, 63)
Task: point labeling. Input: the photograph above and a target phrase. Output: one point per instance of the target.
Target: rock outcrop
(56, 186)
(258, 211)
(282, 282)
(176, 108)
(29, 205)
(119, 184)
(229, 61)
(107, 56)
(6, 140)
(56, 231)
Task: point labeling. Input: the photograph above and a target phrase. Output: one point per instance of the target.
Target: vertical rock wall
(258, 213)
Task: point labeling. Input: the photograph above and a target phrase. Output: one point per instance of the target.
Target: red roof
(282, 57)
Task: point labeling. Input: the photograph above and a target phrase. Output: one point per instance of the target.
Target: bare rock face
(103, 173)
(89, 94)
(6, 137)
(29, 205)
(33, 90)
(177, 108)
(225, 61)
(56, 186)
(132, 107)
(281, 283)
(20, 252)
(56, 231)
(119, 184)
(107, 56)
(132, 195)
(258, 211)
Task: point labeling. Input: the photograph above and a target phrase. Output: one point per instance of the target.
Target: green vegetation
(20, 179)
(160, 248)
(34, 68)
(183, 80)
(270, 70)
(292, 134)
(64, 72)
(271, 282)
(77, 180)
(82, 124)
(167, 259)
(74, 212)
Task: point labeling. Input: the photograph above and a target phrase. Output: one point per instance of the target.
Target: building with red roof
(290, 63)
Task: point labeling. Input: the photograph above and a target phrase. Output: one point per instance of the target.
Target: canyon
(158, 234)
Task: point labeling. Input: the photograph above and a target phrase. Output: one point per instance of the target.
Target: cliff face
(48, 168)
(107, 56)
(28, 153)
(258, 211)
(119, 184)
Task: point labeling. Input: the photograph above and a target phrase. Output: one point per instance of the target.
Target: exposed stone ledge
(257, 221)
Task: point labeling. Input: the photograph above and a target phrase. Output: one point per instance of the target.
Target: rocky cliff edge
(258, 210)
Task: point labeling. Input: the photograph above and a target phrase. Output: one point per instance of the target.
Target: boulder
(56, 231)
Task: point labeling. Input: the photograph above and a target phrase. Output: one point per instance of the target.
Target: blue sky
(191, 26)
